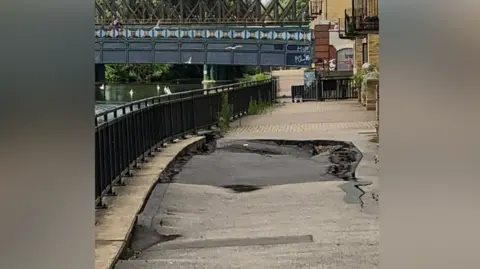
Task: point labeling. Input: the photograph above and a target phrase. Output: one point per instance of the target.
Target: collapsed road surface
(256, 205)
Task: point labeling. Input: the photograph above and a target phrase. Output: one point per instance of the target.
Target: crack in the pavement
(144, 238)
(354, 192)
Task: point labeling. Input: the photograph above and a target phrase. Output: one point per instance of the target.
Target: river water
(115, 95)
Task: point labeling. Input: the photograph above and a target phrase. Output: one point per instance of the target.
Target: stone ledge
(116, 222)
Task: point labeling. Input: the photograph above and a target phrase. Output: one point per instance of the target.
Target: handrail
(149, 99)
(200, 26)
(193, 22)
(126, 140)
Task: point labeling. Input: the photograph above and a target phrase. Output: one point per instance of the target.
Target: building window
(364, 53)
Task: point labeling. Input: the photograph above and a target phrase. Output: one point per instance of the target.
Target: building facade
(331, 51)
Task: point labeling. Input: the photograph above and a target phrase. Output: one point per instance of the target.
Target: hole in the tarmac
(242, 188)
(244, 166)
(243, 163)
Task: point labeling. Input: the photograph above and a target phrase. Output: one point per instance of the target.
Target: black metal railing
(126, 135)
(315, 7)
(365, 16)
(336, 89)
(325, 89)
(346, 28)
(297, 92)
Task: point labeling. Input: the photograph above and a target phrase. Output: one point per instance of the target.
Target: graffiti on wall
(296, 59)
(344, 61)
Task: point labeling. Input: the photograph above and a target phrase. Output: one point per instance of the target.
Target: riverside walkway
(194, 222)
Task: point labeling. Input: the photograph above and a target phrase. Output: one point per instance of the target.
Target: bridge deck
(298, 33)
(217, 45)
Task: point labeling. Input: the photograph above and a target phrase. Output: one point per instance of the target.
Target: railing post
(193, 114)
(143, 133)
(182, 115)
(116, 154)
(133, 137)
(151, 127)
(127, 147)
(219, 103)
(171, 113)
(109, 166)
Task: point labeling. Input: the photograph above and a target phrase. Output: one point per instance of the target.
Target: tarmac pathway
(293, 216)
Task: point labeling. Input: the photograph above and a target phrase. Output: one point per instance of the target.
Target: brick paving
(303, 127)
(309, 118)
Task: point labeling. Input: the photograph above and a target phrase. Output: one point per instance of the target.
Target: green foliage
(257, 77)
(226, 113)
(246, 78)
(358, 78)
(257, 107)
(252, 70)
(260, 76)
(350, 28)
(140, 73)
(374, 67)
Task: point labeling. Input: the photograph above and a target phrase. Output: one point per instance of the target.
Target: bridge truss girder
(150, 12)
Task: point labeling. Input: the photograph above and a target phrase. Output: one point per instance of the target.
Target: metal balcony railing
(365, 16)
(315, 7)
(346, 28)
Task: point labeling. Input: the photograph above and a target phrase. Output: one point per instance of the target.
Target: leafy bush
(257, 77)
(125, 73)
(260, 76)
(257, 107)
(358, 78)
(226, 113)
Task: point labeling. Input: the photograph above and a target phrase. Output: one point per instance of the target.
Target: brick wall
(373, 49)
(357, 53)
(332, 10)
(335, 9)
(322, 43)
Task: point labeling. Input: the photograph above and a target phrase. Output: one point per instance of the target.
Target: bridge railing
(218, 22)
(126, 135)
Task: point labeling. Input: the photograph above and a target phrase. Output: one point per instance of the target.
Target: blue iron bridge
(205, 45)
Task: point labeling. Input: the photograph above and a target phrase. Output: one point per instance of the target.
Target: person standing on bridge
(116, 25)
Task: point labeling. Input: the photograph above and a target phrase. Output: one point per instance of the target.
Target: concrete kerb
(110, 237)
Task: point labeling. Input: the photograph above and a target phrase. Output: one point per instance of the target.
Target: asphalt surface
(296, 218)
(254, 163)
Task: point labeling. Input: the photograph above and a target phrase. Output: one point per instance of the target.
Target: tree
(124, 73)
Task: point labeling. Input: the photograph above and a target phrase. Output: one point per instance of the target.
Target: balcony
(315, 7)
(365, 16)
(346, 28)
